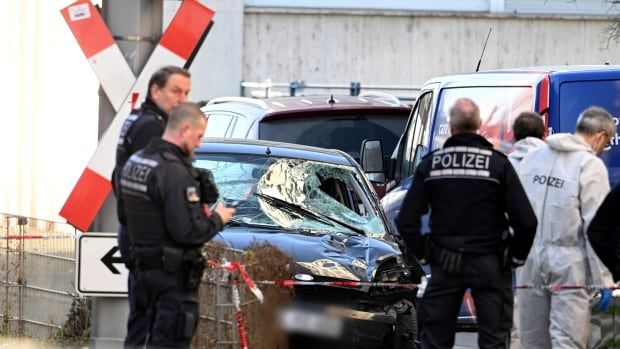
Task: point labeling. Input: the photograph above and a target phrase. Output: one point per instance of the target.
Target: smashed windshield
(294, 194)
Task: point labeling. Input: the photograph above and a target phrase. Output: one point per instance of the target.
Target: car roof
(276, 149)
(518, 76)
(278, 106)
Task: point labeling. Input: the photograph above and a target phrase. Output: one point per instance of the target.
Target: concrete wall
(408, 48)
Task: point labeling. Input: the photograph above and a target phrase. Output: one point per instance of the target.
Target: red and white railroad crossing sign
(177, 46)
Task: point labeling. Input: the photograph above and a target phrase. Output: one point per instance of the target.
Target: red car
(335, 122)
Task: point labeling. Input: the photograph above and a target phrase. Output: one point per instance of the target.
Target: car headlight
(389, 276)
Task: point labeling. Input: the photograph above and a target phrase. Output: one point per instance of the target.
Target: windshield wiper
(304, 211)
(235, 222)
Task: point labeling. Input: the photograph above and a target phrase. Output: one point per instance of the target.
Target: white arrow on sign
(100, 271)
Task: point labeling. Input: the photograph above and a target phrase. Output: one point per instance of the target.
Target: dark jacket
(143, 125)
(473, 194)
(604, 232)
(162, 199)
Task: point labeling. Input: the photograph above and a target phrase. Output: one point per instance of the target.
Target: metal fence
(37, 269)
(405, 93)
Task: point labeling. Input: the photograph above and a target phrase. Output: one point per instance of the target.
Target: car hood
(353, 257)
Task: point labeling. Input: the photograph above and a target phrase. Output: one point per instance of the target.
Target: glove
(208, 188)
(605, 302)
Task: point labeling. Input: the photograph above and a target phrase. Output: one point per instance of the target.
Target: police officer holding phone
(167, 224)
(168, 86)
(474, 195)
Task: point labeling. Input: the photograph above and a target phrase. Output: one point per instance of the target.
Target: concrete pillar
(137, 26)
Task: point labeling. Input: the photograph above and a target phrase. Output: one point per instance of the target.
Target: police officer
(474, 195)
(604, 232)
(167, 226)
(167, 87)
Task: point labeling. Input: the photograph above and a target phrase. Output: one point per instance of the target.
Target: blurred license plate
(311, 323)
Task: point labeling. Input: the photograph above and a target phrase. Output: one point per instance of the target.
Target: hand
(605, 302)
(224, 212)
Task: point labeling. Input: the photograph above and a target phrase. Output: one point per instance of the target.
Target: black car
(317, 206)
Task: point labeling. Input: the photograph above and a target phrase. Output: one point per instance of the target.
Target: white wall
(217, 68)
(408, 48)
(48, 123)
(553, 7)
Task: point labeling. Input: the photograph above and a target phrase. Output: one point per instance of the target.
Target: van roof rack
(381, 95)
(255, 102)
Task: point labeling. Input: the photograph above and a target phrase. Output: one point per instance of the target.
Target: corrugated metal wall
(48, 120)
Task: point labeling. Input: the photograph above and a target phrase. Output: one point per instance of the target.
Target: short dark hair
(184, 112)
(465, 115)
(162, 75)
(528, 124)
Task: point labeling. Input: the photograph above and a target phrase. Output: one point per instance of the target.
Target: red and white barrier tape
(237, 269)
(232, 266)
(236, 266)
(36, 236)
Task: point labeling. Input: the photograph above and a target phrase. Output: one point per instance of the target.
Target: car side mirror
(371, 156)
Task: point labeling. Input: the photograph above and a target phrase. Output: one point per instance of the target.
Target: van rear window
(499, 107)
(341, 132)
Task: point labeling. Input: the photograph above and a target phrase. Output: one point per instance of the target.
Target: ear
(185, 127)
(153, 90)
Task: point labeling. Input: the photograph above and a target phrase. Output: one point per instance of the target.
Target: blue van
(559, 94)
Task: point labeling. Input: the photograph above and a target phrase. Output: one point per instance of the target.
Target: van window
(602, 93)
(343, 132)
(417, 133)
(499, 107)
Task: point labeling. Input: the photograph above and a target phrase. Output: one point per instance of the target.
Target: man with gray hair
(474, 196)
(565, 182)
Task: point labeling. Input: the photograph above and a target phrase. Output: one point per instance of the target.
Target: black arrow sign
(109, 260)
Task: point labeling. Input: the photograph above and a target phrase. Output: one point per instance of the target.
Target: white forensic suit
(522, 147)
(565, 182)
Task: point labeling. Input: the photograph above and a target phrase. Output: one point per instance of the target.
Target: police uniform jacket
(604, 232)
(143, 125)
(162, 203)
(473, 194)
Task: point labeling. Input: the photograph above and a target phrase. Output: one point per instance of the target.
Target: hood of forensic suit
(568, 142)
(524, 146)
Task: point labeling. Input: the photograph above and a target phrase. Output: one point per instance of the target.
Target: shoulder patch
(192, 194)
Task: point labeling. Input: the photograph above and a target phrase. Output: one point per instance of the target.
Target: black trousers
(170, 308)
(139, 320)
(491, 288)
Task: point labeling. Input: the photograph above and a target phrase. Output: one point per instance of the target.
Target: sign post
(100, 270)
